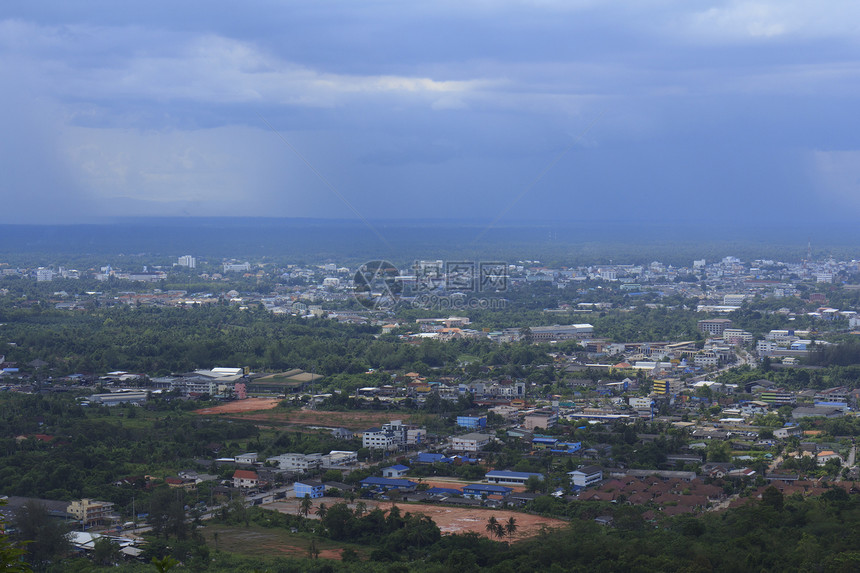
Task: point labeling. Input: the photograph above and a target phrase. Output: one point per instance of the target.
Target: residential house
(397, 471)
(245, 478)
(181, 483)
(248, 459)
(92, 512)
(342, 434)
(825, 456)
(787, 432)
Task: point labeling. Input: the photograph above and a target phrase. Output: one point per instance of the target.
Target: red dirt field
(463, 519)
(449, 519)
(237, 406)
(349, 420)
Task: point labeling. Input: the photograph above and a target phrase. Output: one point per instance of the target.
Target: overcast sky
(571, 109)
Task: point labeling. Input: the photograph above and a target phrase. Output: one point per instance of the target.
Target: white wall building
(297, 462)
(472, 442)
(187, 261)
(586, 476)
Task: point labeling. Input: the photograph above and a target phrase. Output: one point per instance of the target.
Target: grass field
(256, 541)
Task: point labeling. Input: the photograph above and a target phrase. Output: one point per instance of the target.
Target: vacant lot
(236, 406)
(449, 519)
(349, 420)
(255, 541)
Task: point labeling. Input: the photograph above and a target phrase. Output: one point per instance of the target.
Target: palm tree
(321, 511)
(511, 526)
(306, 505)
(493, 525)
(500, 530)
(313, 550)
(164, 564)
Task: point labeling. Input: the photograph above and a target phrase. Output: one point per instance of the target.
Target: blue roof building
(478, 490)
(427, 458)
(444, 491)
(395, 471)
(382, 484)
(566, 447)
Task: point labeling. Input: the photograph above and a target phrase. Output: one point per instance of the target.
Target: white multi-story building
(737, 336)
(566, 332)
(44, 275)
(393, 435)
(639, 403)
(378, 439)
(415, 436)
(297, 462)
(705, 359)
(237, 267)
(472, 442)
(781, 336)
(92, 512)
(734, 299)
(714, 326)
(586, 476)
(187, 261)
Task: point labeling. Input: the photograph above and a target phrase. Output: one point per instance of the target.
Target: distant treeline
(344, 241)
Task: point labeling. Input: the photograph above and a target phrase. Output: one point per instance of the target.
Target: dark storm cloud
(720, 109)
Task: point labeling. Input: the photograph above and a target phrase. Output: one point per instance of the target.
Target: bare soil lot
(237, 406)
(349, 420)
(449, 519)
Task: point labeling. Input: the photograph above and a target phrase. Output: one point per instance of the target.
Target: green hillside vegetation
(773, 534)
